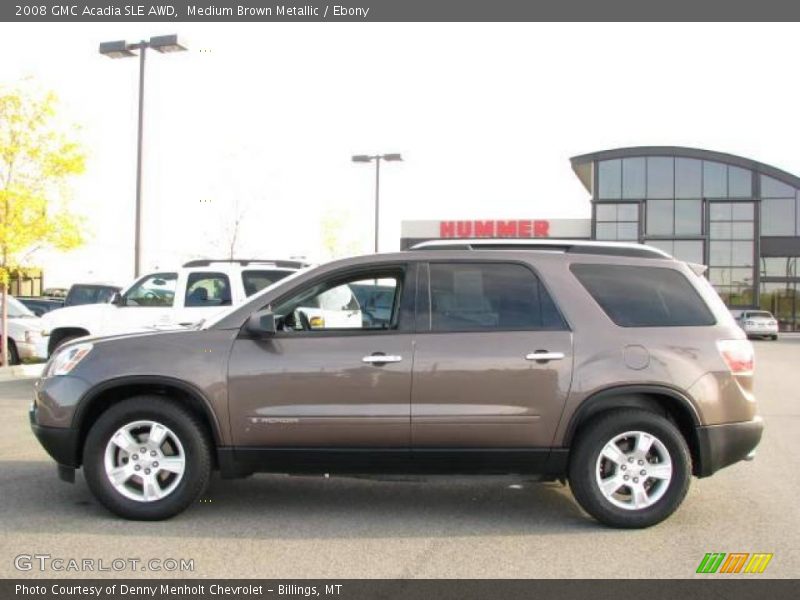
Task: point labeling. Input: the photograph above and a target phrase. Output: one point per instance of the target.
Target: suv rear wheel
(631, 468)
(147, 458)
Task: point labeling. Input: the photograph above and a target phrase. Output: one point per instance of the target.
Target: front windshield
(16, 309)
(252, 299)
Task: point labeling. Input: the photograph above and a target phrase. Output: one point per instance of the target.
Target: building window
(730, 251)
(778, 208)
(779, 266)
(618, 221)
(660, 177)
(715, 180)
(609, 174)
(688, 250)
(674, 217)
(688, 178)
(633, 178)
(740, 183)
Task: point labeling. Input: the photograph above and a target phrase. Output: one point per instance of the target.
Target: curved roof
(581, 164)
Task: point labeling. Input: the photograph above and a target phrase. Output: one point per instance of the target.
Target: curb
(21, 372)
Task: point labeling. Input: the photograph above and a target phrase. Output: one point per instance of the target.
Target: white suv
(197, 291)
(25, 339)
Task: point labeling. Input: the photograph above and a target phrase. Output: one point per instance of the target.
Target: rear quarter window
(634, 296)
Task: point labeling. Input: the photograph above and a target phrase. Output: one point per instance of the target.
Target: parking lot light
(121, 49)
(366, 158)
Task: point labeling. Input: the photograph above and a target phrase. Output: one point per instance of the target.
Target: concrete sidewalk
(21, 372)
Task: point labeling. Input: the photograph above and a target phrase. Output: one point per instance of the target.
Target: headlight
(67, 359)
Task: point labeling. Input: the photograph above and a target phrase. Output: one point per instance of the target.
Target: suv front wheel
(630, 469)
(147, 458)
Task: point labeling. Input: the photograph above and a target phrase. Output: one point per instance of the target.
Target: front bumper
(60, 442)
(724, 445)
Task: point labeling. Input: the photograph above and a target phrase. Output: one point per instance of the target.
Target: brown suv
(611, 365)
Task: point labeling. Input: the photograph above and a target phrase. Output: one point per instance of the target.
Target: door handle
(542, 356)
(380, 359)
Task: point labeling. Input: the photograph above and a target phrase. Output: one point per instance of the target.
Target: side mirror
(262, 324)
(117, 299)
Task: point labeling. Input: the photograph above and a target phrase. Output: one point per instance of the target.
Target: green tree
(37, 161)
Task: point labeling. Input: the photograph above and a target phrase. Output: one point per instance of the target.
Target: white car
(169, 299)
(758, 323)
(25, 340)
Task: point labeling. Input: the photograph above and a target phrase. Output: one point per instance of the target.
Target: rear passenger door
(206, 293)
(493, 359)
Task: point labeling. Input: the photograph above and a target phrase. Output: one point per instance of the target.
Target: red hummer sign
(522, 228)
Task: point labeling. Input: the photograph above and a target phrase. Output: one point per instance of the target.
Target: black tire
(13, 355)
(192, 436)
(774, 337)
(583, 464)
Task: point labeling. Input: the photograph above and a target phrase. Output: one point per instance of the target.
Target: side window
(256, 280)
(644, 296)
(479, 296)
(335, 304)
(157, 289)
(208, 289)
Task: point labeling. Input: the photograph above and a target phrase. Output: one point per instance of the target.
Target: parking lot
(276, 526)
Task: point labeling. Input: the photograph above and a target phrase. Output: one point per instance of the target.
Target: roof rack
(547, 245)
(288, 264)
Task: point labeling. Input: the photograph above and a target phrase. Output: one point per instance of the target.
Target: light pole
(122, 49)
(365, 158)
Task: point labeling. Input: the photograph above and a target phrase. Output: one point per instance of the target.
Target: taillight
(738, 355)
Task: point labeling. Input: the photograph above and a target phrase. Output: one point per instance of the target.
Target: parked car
(168, 299)
(55, 293)
(758, 323)
(91, 293)
(612, 366)
(25, 339)
(39, 305)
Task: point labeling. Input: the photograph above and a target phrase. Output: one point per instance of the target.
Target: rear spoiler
(697, 269)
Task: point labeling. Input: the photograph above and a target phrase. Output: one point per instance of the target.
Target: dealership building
(738, 216)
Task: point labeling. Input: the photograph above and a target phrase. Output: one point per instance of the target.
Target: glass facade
(707, 208)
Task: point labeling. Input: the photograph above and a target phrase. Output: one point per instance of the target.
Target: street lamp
(121, 49)
(366, 158)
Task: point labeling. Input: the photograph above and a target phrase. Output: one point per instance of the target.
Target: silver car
(758, 323)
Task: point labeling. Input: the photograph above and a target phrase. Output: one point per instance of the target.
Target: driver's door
(147, 303)
(325, 379)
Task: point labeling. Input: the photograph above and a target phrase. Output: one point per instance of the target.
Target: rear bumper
(724, 445)
(59, 442)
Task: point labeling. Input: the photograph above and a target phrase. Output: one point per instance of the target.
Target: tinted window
(777, 216)
(208, 289)
(89, 294)
(688, 178)
(467, 297)
(644, 296)
(715, 180)
(660, 177)
(633, 178)
(772, 188)
(610, 178)
(255, 281)
(740, 183)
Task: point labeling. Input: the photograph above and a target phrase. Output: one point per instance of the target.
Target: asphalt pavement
(301, 527)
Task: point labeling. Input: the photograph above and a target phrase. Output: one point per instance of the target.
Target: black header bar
(398, 10)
